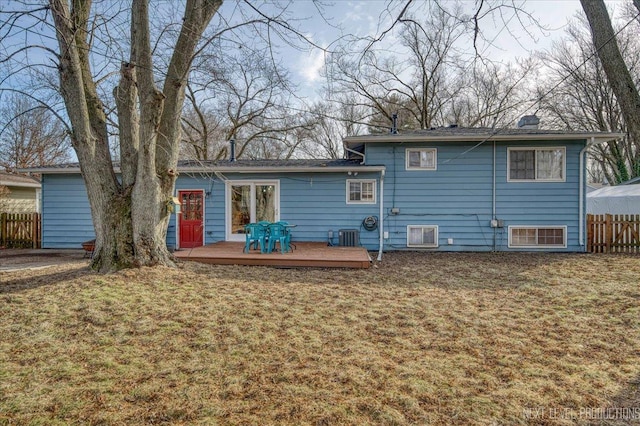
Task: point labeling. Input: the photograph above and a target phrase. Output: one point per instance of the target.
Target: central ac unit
(349, 237)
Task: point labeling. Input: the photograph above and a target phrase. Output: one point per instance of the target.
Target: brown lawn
(419, 339)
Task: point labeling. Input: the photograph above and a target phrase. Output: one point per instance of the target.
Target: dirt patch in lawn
(420, 339)
(13, 259)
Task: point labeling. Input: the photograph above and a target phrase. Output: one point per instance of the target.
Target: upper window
(421, 159)
(533, 164)
(533, 236)
(361, 191)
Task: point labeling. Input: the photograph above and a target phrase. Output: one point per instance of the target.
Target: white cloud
(310, 65)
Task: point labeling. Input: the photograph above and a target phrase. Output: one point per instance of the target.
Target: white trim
(548, 246)
(227, 208)
(435, 159)
(177, 194)
(361, 181)
(435, 236)
(536, 149)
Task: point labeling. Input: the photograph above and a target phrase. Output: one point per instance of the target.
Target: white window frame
(537, 227)
(361, 181)
(535, 155)
(435, 158)
(435, 236)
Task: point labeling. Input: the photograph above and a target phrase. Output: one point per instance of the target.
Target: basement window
(538, 237)
(422, 236)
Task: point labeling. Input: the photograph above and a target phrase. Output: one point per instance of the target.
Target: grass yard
(469, 339)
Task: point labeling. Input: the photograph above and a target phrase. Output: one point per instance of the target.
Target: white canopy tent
(621, 199)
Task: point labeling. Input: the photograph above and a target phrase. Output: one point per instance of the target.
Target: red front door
(190, 218)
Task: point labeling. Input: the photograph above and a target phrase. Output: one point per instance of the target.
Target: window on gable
(533, 236)
(422, 236)
(532, 164)
(361, 191)
(421, 159)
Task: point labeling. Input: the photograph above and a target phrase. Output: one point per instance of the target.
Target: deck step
(306, 254)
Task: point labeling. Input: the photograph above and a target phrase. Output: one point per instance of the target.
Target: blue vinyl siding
(315, 203)
(457, 197)
(66, 215)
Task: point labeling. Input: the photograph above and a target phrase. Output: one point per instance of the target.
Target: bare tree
(583, 100)
(31, 135)
(617, 71)
(332, 121)
(130, 214)
(430, 78)
(491, 94)
(416, 83)
(244, 98)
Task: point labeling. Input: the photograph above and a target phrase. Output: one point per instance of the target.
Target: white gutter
(493, 197)
(381, 222)
(493, 201)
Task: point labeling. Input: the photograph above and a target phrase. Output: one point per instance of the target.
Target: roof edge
(230, 169)
(20, 184)
(601, 137)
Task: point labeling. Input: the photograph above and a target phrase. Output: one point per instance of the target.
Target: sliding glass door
(250, 202)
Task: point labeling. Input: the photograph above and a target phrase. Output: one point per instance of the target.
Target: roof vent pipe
(394, 123)
(232, 150)
(529, 122)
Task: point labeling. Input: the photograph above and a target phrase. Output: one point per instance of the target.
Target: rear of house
(446, 189)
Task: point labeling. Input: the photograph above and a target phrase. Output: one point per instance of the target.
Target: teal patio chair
(255, 234)
(278, 233)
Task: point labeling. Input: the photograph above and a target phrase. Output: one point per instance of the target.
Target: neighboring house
(620, 199)
(593, 186)
(447, 189)
(19, 193)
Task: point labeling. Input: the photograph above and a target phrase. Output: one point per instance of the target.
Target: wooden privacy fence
(20, 230)
(607, 233)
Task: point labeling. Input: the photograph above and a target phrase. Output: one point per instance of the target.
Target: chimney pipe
(394, 123)
(232, 150)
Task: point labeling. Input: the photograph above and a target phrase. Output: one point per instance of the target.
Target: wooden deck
(306, 254)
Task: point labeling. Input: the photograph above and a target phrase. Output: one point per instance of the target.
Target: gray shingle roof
(296, 165)
(456, 133)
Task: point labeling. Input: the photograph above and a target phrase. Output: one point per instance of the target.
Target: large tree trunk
(130, 215)
(614, 66)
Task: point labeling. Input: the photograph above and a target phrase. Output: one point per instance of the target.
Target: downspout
(381, 223)
(582, 194)
(493, 196)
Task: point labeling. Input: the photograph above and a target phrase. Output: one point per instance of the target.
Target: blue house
(444, 189)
